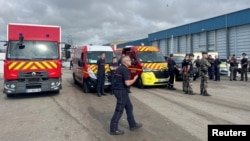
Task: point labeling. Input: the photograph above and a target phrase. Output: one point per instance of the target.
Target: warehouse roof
(224, 21)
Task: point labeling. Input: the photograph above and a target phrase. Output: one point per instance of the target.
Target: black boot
(103, 93)
(99, 94)
(112, 92)
(206, 94)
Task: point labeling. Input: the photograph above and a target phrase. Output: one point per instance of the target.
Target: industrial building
(228, 34)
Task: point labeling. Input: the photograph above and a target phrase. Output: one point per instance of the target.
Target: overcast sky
(104, 21)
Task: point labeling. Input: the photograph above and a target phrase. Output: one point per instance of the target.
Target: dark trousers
(171, 79)
(217, 73)
(100, 81)
(123, 101)
(112, 80)
(244, 72)
(211, 72)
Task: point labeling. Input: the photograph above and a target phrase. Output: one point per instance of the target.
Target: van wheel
(86, 88)
(57, 92)
(74, 78)
(139, 83)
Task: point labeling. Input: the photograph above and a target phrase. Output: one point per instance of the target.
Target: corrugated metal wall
(243, 40)
(221, 42)
(232, 40)
(195, 42)
(216, 40)
(202, 41)
(182, 45)
(239, 40)
(228, 34)
(188, 43)
(163, 46)
(155, 43)
(211, 41)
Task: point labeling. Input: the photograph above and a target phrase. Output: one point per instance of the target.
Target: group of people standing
(214, 69)
(207, 67)
(233, 63)
(187, 71)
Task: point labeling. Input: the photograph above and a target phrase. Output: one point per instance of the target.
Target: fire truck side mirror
(67, 54)
(67, 46)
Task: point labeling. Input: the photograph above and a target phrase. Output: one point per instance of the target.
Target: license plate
(33, 90)
(162, 80)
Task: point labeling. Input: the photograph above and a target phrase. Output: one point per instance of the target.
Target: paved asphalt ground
(166, 115)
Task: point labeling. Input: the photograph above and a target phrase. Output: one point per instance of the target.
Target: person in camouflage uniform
(204, 76)
(184, 71)
(190, 74)
(197, 64)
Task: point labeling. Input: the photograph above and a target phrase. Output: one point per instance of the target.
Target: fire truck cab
(85, 67)
(33, 61)
(149, 63)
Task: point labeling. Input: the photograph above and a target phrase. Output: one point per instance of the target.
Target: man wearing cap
(233, 67)
(244, 63)
(204, 76)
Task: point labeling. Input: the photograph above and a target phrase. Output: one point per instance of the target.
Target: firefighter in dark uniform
(244, 64)
(113, 66)
(122, 83)
(171, 70)
(101, 75)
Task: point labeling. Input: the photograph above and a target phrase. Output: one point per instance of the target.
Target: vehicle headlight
(12, 86)
(91, 74)
(53, 83)
(146, 69)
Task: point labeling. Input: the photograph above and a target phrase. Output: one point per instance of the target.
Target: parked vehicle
(149, 63)
(223, 67)
(85, 68)
(33, 59)
(178, 58)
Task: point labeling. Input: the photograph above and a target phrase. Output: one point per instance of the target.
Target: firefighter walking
(122, 82)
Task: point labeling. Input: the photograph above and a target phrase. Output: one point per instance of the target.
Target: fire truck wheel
(139, 83)
(10, 95)
(85, 87)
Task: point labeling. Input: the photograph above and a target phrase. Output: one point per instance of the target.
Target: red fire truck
(33, 59)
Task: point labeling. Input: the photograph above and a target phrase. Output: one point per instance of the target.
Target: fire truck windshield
(150, 56)
(93, 56)
(32, 50)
